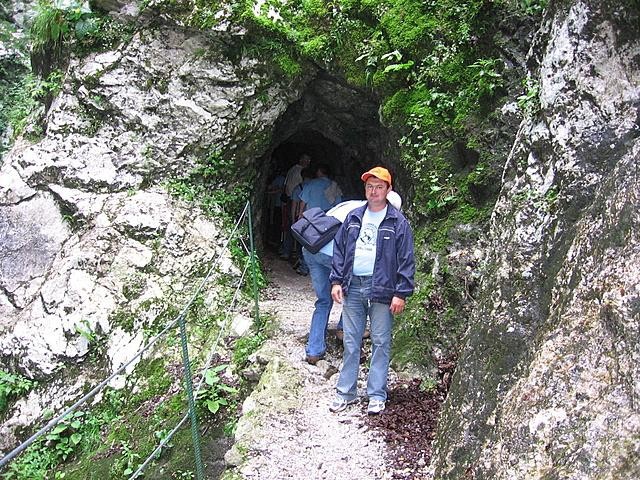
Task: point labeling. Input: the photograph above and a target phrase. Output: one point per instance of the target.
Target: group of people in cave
(368, 267)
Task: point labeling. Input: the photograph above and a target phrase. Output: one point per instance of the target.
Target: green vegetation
(216, 186)
(531, 7)
(98, 443)
(66, 436)
(23, 97)
(96, 340)
(111, 439)
(529, 102)
(13, 69)
(245, 346)
(72, 24)
(216, 393)
(12, 387)
(80, 432)
(434, 318)
(431, 64)
(57, 27)
(438, 76)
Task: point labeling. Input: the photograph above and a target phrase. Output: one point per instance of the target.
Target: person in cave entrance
(275, 192)
(372, 270)
(320, 192)
(299, 265)
(292, 180)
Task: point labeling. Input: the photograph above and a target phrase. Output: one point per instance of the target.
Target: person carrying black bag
(372, 272)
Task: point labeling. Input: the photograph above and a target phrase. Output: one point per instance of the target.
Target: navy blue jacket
(394, 266)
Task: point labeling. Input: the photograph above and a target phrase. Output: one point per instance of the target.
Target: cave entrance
(335, 124)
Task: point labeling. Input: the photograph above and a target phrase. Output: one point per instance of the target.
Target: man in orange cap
(372, 271)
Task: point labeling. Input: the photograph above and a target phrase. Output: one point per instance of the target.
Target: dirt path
(287, 430)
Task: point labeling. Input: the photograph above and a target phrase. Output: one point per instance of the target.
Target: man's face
(376, 193)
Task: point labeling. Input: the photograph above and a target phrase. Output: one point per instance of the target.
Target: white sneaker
(339, 404)
(375, 406)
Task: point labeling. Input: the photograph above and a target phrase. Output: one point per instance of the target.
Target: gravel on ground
(308, 441)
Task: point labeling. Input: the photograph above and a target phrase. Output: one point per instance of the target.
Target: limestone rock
(28, 246)
(93, 248)
(274, 394)
(546, 386)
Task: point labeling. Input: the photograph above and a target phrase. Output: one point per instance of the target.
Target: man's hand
(336, 293)
(397, 305)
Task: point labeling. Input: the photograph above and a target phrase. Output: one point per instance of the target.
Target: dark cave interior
(335, 125)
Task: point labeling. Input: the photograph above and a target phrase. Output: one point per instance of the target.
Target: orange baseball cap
(378, 172)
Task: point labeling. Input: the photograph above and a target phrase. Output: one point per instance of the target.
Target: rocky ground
(287, 430)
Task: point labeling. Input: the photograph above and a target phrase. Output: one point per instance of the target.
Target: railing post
(254, 270)
(195, 433)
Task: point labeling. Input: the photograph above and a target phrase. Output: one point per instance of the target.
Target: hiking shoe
(375, 406)
(313, 359)
(339, 404)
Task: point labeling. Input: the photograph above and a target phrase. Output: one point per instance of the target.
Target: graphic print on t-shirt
(368, 235)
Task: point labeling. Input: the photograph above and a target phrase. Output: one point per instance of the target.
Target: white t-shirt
(365, 256)
(293, 179)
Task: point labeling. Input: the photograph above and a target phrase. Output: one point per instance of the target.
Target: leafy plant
(21, 103)
(245, 346)
(429, 385)
(533, 7)
(12, 386)
(529, 102)
(486, 76)
(215, 185)
(60, 23)
(49, 26)
(129, 459)
(83, 328)
(161, 435)
(183, 475)
(215, 394)
(57, 21)
(32, 464)
(66, 436)
(440, 193)
(79, 432)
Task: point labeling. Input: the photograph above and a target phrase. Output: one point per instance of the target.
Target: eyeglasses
(376, 188)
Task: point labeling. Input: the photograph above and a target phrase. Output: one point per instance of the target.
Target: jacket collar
(392, 212)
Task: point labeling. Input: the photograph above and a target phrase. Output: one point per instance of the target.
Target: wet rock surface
(543, 387)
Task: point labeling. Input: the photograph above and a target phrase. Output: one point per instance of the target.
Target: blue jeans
(354, 315)
(319, 267)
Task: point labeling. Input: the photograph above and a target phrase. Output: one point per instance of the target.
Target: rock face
(92, 246)
(93, 249)
(547, 385)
